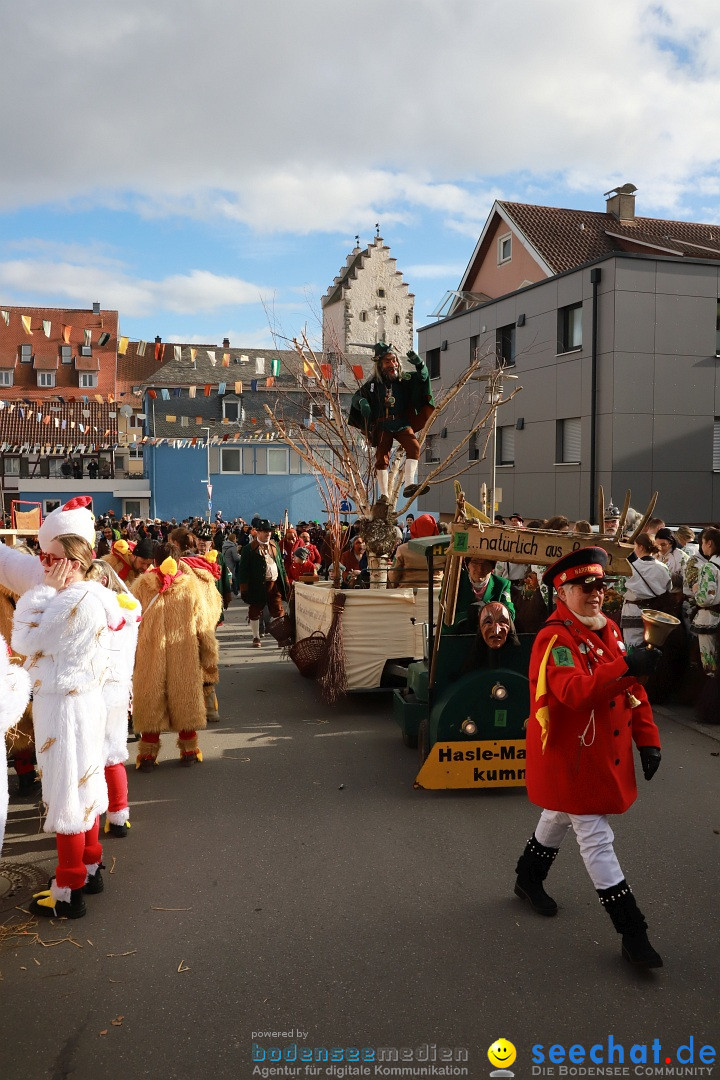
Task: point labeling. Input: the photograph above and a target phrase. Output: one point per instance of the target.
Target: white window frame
(26, 354)
(225, 451)
(87, 379)
(237, 404)
(13, 462)
(272, 453)
(504, 248)
(135, 452)
(7, 377)
(46, 378)
(49, 505)
(127, 503)
(569, 441)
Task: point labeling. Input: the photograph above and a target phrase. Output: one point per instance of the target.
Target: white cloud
(27, 280)
(433, 270)
(318, 115)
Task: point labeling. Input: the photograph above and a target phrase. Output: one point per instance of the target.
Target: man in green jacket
(393, 405)
(261, 578)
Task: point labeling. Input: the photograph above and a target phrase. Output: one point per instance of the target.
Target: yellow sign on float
(500, 763)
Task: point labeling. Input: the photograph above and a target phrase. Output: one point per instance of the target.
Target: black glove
(650, 757)
(414, 358)
(642, 660)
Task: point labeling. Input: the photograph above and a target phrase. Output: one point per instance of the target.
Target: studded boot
(532, 869)
(628, 920)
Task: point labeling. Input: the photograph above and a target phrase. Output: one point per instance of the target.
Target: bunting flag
(47, 326)
(103, 339)
(66, 331)
(165, 394)
(170, 419)
(308, 370)
(177, 350)
(221, 388)
(208, 388)
(275, 365)
(26, 324)
(87, 337)
(141, 347)
(244, 359)
(193, 354)
(184, 421)
(98, 398)
(357, 371)
(177, 391)
(270, 381)
(253, 385)
(238, 387)
(198, 419)
(259, 365)
(5, 317)
(191, 391)
(159, 350)
(122, 346)
(211, 356)
(226, 359)
(152, 394)
(326, 370)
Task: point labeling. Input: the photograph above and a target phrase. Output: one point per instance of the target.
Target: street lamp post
(208, 481)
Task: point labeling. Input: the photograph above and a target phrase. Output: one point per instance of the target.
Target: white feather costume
(64, 636)
(14, 696)
(123, 619)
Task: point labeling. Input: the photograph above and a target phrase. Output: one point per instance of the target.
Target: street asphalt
(294, 890)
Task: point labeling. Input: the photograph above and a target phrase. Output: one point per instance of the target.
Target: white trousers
(595, 840)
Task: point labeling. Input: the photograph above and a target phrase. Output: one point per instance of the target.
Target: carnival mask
(494, 624)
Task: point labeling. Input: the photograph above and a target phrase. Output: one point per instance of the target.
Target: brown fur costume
(21, 737)
(122, 568)
(177, 654)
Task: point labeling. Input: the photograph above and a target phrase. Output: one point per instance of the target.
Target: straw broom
(332, 677)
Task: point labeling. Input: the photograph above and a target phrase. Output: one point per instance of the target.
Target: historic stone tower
(368, 302)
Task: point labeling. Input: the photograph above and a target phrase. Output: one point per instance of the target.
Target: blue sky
(204, 167)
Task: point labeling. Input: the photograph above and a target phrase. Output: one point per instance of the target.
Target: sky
(204, 167)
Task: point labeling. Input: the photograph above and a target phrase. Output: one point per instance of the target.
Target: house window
(474, 342)
(570, 328)
(568, 441)
(49, 505)
(11, 466)
(363, 316)
(133, 507)
(230, 460)
(396, 320)
(86, 350)
(432, 360)
(506, 445)
(716, 445)
(26, 354)
(717, 330)
(473, 448)
(6, 378)
(87, 379)
(381, 292)
(432, 456)
(66, 354)
(136, 453)
(46, 378)
(277, 460)
(231, 411)
(504, 248)
(505, 345)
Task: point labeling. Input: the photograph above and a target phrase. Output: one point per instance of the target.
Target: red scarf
(202, 563)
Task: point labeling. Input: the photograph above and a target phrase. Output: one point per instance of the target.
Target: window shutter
(571, 439)
(716, 445)
(507, 446)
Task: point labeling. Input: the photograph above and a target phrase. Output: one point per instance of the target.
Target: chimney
(158, 339)
(620, 202)
(96, 307)
(226, 343)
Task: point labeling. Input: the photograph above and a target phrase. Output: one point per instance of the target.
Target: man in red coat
(587, 709)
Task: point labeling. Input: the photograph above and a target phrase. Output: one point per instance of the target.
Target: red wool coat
(586, 698)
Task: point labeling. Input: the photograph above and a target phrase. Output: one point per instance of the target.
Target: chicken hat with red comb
(74, 518)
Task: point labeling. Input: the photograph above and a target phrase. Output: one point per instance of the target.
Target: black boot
(95, 883)
(28, 783)
(531, 870)
(628, 920)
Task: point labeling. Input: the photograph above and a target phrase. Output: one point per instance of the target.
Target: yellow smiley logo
(502, 1054)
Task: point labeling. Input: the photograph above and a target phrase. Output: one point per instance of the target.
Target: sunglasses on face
(591, 586)
(49, 560)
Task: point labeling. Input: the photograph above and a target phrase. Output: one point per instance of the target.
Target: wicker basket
(308, 653)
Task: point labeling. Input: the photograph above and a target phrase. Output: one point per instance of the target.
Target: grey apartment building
(612, 324)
